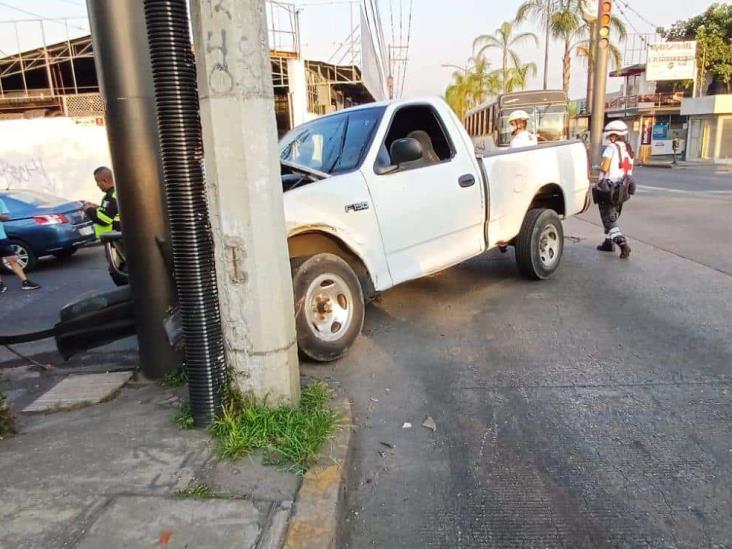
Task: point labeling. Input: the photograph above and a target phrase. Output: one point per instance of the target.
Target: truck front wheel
(329, 306)
(540, 244)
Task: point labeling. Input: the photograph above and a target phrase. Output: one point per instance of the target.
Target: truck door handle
(466, 180)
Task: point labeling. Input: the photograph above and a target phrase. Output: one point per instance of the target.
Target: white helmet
(616, 127)
(518, 115)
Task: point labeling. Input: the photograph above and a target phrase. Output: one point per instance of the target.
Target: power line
(391, 18)
(406, 51)
(71, 2)
(629, 7)
(59, 20)
(632, 26)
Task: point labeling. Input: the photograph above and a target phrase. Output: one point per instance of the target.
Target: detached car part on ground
(41, 225)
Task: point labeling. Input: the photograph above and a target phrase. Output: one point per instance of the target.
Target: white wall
(55, 155)
(709, 104)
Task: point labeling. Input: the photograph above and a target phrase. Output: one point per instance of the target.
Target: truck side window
(419, 122)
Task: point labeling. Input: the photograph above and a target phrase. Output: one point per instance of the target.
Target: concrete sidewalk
(116, 475)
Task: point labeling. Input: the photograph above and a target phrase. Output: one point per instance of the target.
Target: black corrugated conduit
(176, 99)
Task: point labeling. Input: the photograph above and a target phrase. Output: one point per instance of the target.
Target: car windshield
(33, 198)
(332, 144)
(547, 122)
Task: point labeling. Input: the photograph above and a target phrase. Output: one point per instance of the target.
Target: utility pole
(591, 24)
(602, 39)
(122, 59)
(548, 9)
(245, 196)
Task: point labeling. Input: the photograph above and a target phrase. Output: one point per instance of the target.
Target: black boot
(606, 246)
(624, 250)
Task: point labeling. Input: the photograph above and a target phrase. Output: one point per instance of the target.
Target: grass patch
(7, 419)
(176, 378)
(201, 490)
(183, 417)
(289, 435)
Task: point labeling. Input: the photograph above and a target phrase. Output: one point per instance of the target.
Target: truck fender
(310, 241)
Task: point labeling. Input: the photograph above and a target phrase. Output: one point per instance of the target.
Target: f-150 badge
(357, 207)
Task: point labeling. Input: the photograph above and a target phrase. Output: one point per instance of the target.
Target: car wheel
(26, 258)
(329, 306)
(540, 244)
(63, 254)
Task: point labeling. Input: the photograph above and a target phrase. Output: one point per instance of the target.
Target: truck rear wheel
(329, 306)
(540, 244)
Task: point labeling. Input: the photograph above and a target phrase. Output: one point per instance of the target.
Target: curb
(662, 166)
(318, 506)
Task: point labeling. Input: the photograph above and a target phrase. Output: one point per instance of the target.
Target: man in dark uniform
(106, 215)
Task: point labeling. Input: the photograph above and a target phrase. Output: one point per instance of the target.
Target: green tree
(567, 25)
(543, 11)
(713, 32)
(505, 41)
(472, 85)
(518, 77)
(586, 47)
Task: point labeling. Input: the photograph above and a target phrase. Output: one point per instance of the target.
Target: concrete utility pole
(123, 66)
(245, 196)
(602, 46)
(548, 8)
(298, 89)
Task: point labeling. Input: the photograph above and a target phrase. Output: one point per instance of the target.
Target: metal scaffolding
(50, 69)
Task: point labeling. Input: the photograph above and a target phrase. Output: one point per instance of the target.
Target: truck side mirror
(405, 150)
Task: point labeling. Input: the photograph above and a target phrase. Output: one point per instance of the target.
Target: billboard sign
(671, 61)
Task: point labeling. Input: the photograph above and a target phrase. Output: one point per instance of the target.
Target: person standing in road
(7, 254)
(615, 186)
(106, 216)
(521, 136)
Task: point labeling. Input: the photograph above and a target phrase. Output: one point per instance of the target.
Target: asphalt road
(590, 410)
(682, 211)
(61, 282)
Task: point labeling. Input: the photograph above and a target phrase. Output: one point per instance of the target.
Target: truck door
(431, 210)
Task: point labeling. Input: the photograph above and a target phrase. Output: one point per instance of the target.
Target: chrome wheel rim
(549, 246)
(329, 307)
(22, 255)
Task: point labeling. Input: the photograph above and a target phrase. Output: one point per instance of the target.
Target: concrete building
(52, 131)
(710, 128)
(652, 110)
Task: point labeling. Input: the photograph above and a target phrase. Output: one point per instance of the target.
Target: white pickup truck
(384, 193)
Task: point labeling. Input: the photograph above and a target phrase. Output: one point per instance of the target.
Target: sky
(442, 32)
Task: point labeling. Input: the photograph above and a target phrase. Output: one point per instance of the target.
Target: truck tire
(329, 306)
(540, 244)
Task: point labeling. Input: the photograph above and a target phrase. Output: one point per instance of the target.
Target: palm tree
(458, 93)
(472, 85)
(484, 81)
(541, 10)
(518, 78)
(504, 40)
(567, 24)
(586, 48)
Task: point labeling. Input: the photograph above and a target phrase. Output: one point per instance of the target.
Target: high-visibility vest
(102, 215)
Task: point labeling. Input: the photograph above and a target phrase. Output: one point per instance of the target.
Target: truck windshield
(547, 122)
(332, 144)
